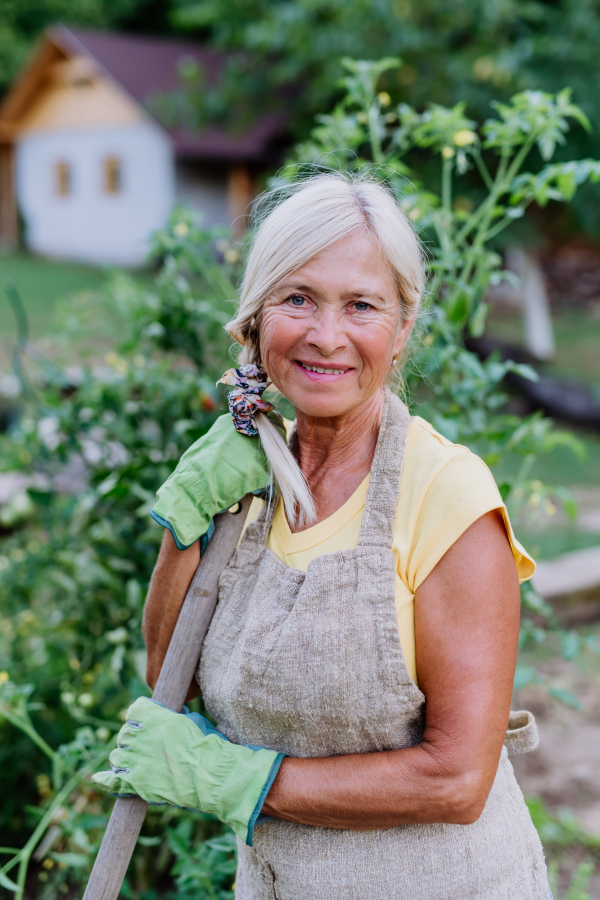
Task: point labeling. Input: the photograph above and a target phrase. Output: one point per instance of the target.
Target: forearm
(378, 790)
(170, 580)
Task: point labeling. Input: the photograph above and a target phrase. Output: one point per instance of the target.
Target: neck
(341, 447)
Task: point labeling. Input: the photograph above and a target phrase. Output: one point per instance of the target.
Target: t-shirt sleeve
(460, 493)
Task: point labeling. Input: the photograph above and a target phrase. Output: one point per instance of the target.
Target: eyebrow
(309, 289)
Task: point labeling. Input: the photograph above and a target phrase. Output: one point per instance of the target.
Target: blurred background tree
(468, 50)
(22, 22)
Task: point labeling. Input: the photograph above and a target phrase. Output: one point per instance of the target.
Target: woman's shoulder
(444, 488)
(439, 473)
(428, 453)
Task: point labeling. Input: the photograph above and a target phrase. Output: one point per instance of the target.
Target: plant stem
(504, 178)
(23, 856)
(483, 170)
(372, 116)
(29, 730)
(489, 201)
(447, 166)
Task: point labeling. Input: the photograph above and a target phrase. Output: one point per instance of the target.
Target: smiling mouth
(321, 370)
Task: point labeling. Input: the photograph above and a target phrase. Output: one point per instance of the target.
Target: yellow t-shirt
(444, 488)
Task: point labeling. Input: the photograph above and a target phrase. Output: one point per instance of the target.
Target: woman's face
(339, 314)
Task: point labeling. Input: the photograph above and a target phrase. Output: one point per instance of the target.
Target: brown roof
(147, 66)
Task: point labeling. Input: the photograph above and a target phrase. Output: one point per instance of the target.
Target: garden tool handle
(171, 688)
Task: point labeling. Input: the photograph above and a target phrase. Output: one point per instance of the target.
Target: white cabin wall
(90, 224)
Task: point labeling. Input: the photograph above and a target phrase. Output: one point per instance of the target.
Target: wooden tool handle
(174, 680)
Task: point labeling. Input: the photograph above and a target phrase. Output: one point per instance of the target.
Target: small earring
(394, 362)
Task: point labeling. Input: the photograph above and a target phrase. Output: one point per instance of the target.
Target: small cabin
(88, 172)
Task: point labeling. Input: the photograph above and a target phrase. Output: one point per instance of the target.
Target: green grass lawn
(41, 283)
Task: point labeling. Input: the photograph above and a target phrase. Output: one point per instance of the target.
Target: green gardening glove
(217, 471)
(182, 760)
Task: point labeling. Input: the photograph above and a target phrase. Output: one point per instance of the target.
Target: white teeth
(323, 371)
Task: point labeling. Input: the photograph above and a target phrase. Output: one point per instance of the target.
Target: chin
(321, 405)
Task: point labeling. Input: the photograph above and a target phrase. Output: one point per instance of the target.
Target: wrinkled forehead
(355, 264)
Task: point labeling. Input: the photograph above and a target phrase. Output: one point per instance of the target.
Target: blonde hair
(300, 222)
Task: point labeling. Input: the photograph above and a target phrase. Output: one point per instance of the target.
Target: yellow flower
(181, 229)
(231, 255)
(464, 137)
(43, 785)
(361, 117)
(384, 98)
(4, 677)
(447, 152)
(116, 362)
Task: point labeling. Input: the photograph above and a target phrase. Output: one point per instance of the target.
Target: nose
(326, 333)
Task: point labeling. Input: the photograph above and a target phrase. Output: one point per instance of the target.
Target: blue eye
(361, 306)
(296, 300)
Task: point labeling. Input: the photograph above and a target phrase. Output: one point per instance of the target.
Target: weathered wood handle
(174, 680)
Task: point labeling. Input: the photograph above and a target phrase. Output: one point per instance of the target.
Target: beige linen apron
(310, 664)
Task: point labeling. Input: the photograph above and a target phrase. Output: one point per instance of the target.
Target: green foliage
(71, 820)
(21, 22)
(459, 394)
(204, 870)
(560, 831)
(469, 51)
(74, 565)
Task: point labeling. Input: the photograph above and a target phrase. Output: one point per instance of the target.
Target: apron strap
(377, 528)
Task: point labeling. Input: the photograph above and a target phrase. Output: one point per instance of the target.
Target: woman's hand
(467, 626)
(181, 759)
(212, 475)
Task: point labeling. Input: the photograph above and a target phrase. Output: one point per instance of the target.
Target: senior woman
(360, 661)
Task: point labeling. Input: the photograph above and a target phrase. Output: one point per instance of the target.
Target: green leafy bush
(74, 565)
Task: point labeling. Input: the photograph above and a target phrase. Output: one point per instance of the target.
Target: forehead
(354, 261)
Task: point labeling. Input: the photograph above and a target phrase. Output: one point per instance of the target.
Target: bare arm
(467, 624)
(170, 580)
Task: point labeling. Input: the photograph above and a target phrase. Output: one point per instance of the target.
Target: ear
(403, 334)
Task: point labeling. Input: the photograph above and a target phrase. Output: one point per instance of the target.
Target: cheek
(278, 334)
(375, 345)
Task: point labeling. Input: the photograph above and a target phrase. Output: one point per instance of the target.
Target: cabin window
(63, 178)
(113, 175)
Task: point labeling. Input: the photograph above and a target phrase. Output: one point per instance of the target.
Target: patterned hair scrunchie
(245, 399)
